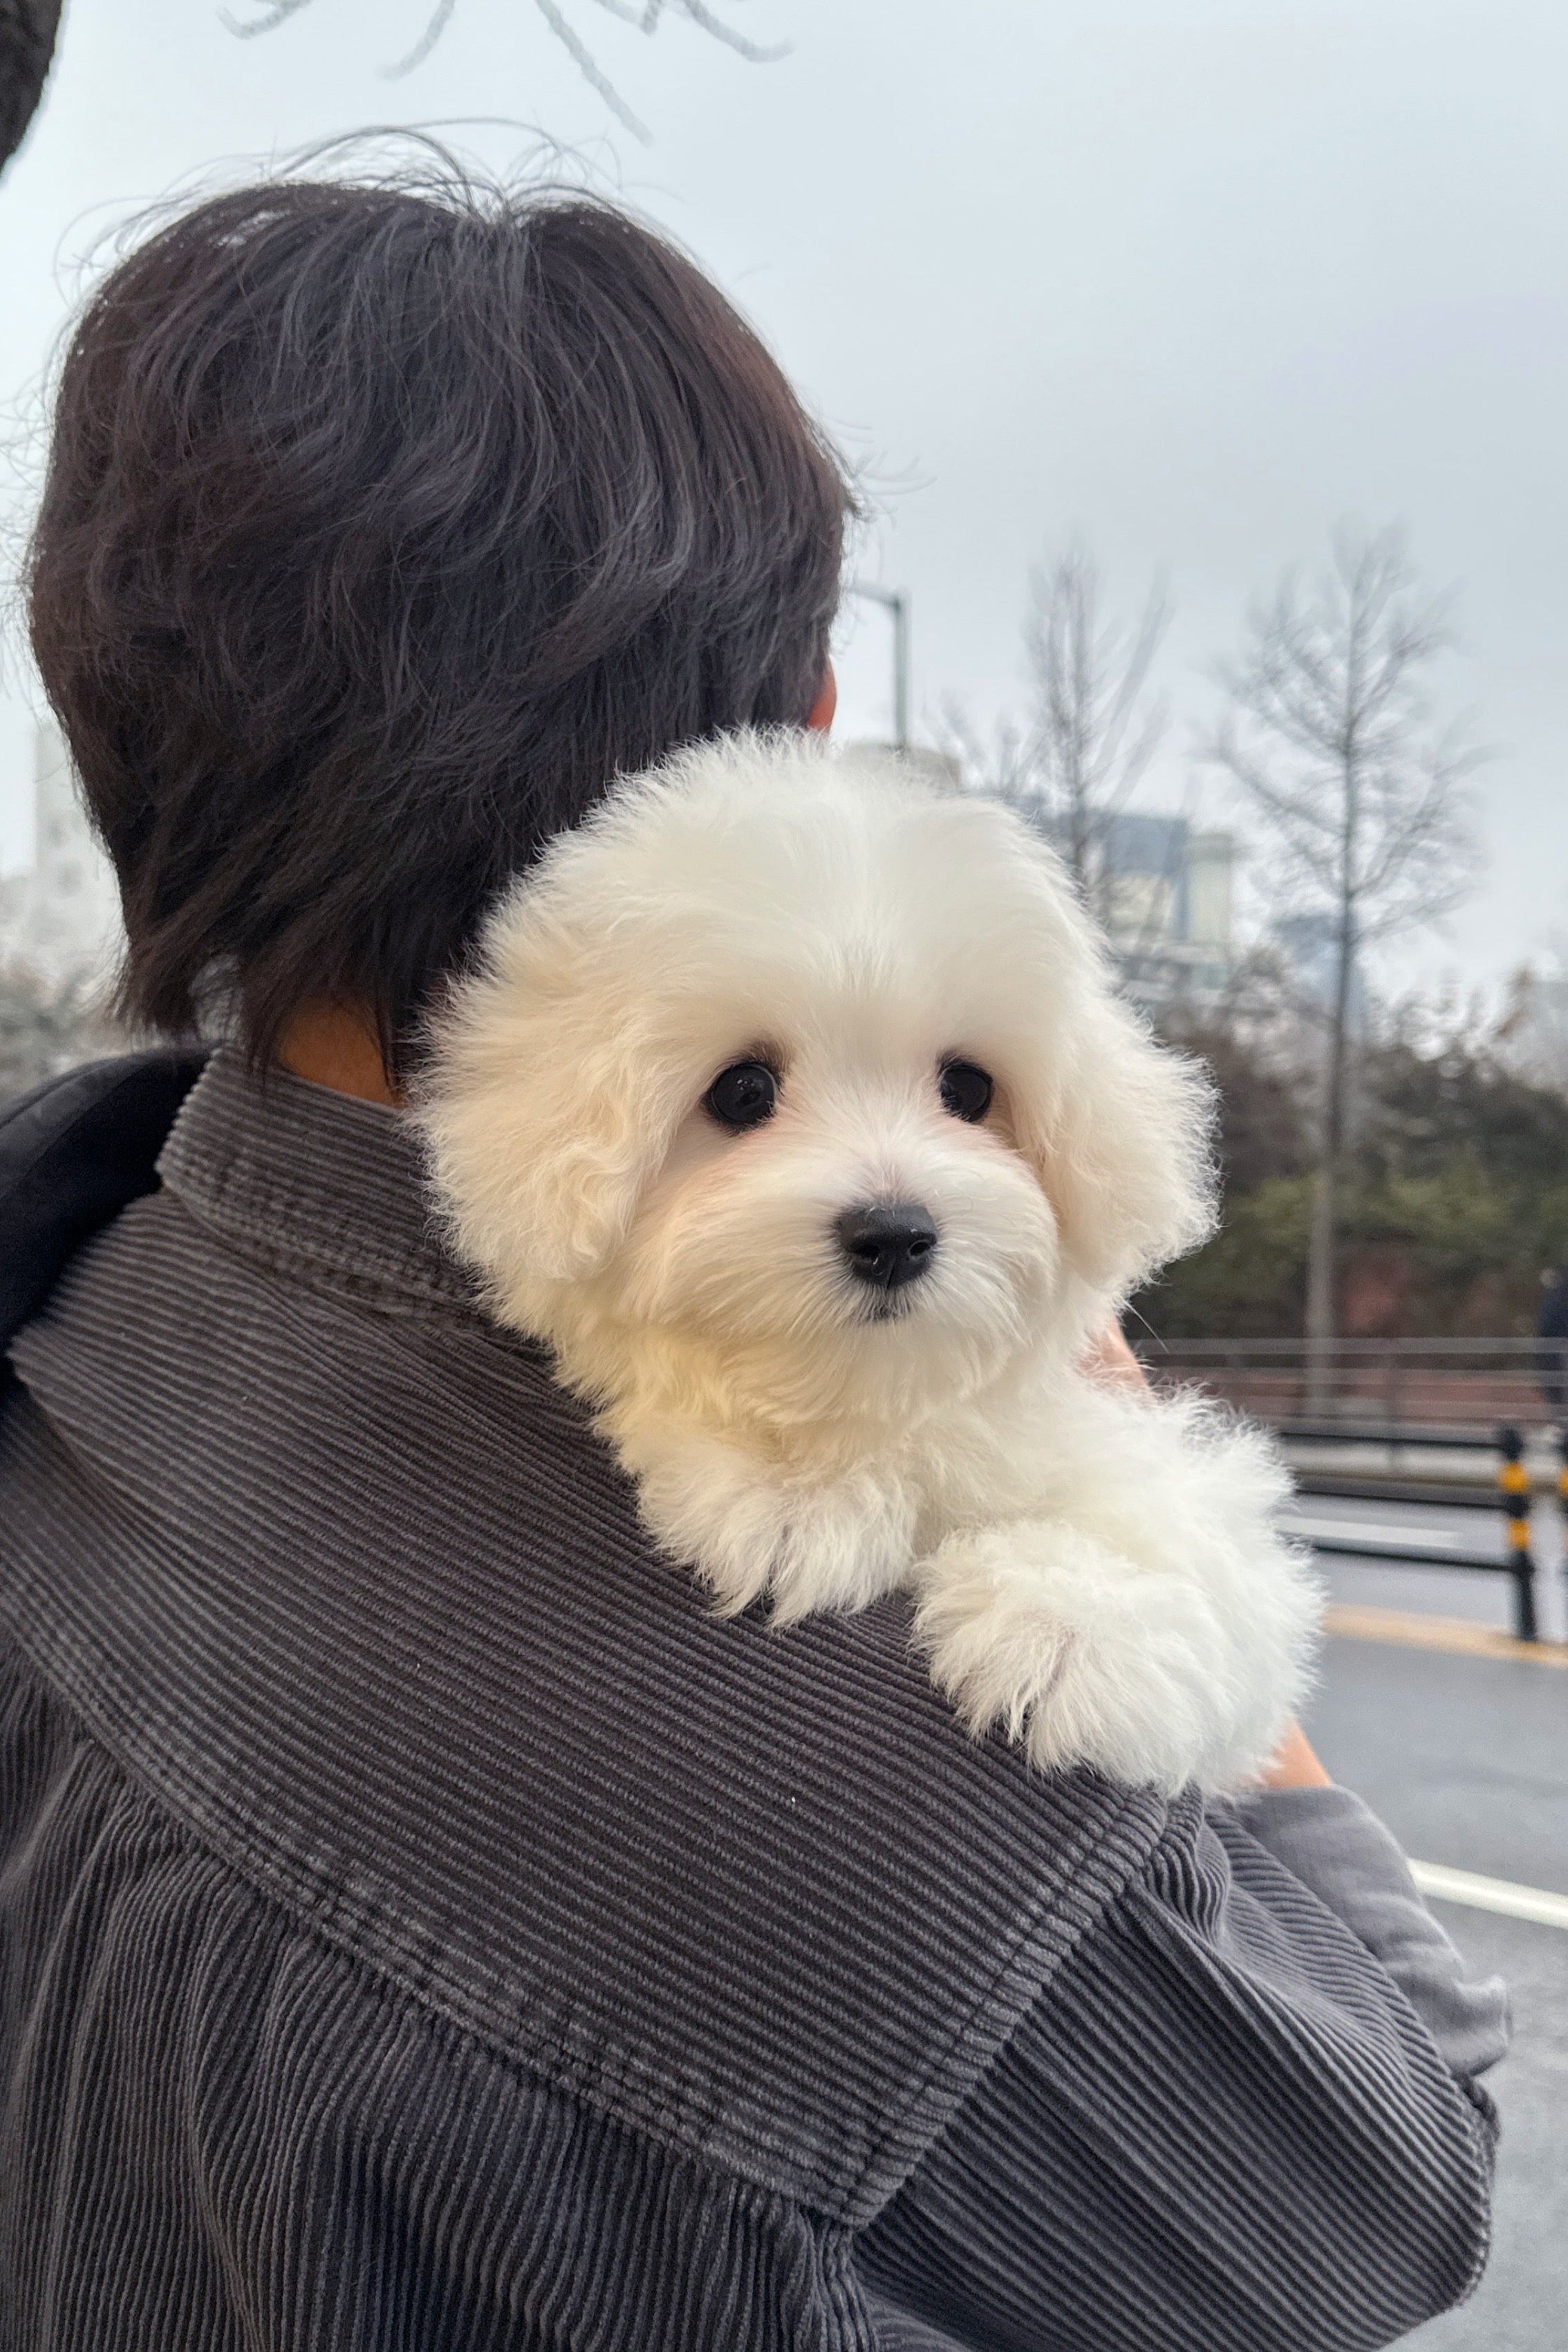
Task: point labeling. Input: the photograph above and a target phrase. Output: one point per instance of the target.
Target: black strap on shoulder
(72, 1153)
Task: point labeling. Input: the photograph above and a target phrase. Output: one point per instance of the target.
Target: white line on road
(1548, 1910)
(1362, 1531)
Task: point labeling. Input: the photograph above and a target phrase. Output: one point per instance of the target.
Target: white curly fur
(1095, 1572)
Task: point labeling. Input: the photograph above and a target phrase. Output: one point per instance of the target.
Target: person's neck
(336, 1045)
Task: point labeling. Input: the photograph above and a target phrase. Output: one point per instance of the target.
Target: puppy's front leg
(751, 1529)
(1081, 1654)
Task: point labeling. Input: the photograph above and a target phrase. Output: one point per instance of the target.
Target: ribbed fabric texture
(424, 1925)
(1334, 1843)
(1254, 2029)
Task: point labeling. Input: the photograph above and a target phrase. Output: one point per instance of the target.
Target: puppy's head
(806, 1082)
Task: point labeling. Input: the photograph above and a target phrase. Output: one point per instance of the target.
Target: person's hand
(1296, 1765)
(1109, 1358)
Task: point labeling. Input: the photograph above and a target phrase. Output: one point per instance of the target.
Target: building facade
(59, 922)
(1166, 890)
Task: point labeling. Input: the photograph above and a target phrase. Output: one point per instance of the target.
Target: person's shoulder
(133, 1097)
(1552, 1322)
(343, 1570)
(365, 1596)
(74, 1150)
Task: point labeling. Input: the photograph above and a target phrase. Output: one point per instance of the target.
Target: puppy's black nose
(887, 1247)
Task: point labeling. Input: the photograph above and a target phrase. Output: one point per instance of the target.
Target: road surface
(1465, 1755)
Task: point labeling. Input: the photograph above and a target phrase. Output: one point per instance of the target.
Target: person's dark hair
(383, 528)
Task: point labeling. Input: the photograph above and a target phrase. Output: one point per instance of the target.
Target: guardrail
(1457, 1438)
(1512, 1493)
(1448, 1396)
(1364, 1386)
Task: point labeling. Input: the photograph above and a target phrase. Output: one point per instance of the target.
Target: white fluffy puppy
(793, 1109)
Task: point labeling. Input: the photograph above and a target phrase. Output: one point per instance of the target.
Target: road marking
(1414, 1631)
(1536, 1903)
(1361, 1531)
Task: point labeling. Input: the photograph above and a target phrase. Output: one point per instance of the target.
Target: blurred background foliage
(1455, 1195)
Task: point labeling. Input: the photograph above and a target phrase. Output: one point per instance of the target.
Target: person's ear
(820, 717)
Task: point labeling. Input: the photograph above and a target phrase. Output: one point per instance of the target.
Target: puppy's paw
(1083, 1657)
(751, 1532)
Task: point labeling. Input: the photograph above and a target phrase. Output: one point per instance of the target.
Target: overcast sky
(1195, 278)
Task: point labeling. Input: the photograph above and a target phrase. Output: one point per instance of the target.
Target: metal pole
(1513, 1493)
(898, 603)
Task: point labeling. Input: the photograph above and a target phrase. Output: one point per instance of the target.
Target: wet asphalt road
(1465, 1757)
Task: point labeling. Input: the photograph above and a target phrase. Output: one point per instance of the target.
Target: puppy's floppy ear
(1118, 1129)
(544, 1105)
(1126, 1159)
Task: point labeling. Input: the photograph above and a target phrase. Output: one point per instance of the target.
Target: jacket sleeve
(1336, 1845)
(1222, 2128)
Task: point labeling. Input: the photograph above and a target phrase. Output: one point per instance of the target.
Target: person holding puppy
(427, 1922)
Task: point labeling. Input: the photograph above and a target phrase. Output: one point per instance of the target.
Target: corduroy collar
(332, 1188)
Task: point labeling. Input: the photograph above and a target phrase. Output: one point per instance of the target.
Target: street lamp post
(897, 602)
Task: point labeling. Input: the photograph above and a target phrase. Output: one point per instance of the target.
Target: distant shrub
(1455, 1198)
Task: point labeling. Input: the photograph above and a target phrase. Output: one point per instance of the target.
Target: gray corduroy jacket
(426, 1927)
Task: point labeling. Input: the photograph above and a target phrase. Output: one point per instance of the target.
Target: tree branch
(1362, 806)
(646, 18)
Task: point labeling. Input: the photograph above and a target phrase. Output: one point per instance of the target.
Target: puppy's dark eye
(965, 1090)
(743, 1097)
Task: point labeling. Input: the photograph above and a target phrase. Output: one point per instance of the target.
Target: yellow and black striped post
(1513, 1493)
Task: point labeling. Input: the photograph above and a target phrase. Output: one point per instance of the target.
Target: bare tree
(27, 33)
(1359, 795)
(1092, 730)
(647, 15)
(29, 29)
